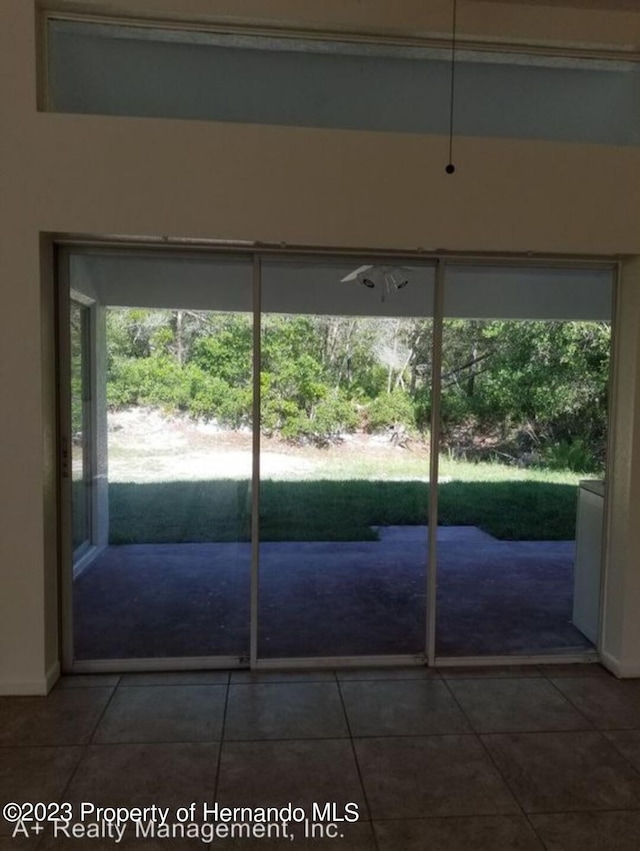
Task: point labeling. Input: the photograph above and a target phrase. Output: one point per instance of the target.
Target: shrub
(391, 409)
(157, 380)
(574, 455)
(333, 414)
(213, 398)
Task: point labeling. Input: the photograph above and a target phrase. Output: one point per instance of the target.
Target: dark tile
(7, 843)
(617, 831)
(491, 672)
(176, 678)
(431, 776)
(583, 669)
(163, 714)
(628, 743)
(564, 772)
(603, 700)
(486, 833)
(401, 708)
(409, 672)
(65, 717)
(34, 774)
(168, 775)
(319, 675)
(508, 705)
(88, 681)
(630, 688)
(128, 843)
(261, 774)
(351, 837)
(285, 711)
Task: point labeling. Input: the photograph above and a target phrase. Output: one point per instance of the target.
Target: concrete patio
(329, 599)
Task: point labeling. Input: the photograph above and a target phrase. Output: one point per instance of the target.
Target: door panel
(345, 407)
(174, 423)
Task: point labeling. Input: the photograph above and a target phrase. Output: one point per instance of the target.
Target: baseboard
(38, 687)
(619, 669)
(132, 666)
(52, 676)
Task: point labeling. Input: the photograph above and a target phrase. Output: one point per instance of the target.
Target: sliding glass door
(173, 349)
(345, 408)
(267, 455)
(525, 375)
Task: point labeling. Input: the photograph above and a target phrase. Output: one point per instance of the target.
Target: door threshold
(128, 666)
(587, 658)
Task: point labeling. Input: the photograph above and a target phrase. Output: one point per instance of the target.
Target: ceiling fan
(387, 279)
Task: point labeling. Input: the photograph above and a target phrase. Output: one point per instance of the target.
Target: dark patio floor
(328, 599)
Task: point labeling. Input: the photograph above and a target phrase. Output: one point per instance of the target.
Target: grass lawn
(506, 502)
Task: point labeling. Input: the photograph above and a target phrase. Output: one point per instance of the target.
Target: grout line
(467, 718)
(172, 685)
(565, 697)
(211, 741)
(483, 745)
(222, 739)
(485, 815)
(102, 714)
(617, 749)
(363, 737)
(357, 764)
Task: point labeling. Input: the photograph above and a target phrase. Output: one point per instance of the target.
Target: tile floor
(493, 759)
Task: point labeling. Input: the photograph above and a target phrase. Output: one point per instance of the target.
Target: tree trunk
(179, 338)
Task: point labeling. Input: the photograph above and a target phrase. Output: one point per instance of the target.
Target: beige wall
(621, 645)
(64, 173)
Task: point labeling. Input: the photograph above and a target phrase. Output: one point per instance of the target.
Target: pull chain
(450, 169)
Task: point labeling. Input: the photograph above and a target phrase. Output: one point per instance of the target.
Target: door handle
(64, 457)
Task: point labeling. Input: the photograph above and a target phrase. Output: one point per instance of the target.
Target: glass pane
(151, 72)
(524, 421)
(80, 435)
(174, 577)
(345, 405)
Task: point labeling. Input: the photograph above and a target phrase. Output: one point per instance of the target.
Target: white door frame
(429, 655)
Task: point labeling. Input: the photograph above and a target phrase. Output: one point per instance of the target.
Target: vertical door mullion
(255, 474)
(434, 458)
(65, 459)
(610, 448)
(89, 420)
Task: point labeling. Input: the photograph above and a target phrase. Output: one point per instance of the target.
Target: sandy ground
(147, 446)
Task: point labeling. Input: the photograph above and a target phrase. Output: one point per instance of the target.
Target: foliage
(572, 455)
(390, 409)
(542, 385)
(532, 392)
(156, 380)
(226, 353)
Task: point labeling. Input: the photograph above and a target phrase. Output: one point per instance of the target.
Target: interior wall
(621, 621)
(97, 175)
(49, 457)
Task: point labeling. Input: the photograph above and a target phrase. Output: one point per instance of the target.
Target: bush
(335, 413)
(391, 409)
(156, 380)
(227, 354)
(213, 398)
(574, 455)
(284, 416)
(324, 422)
